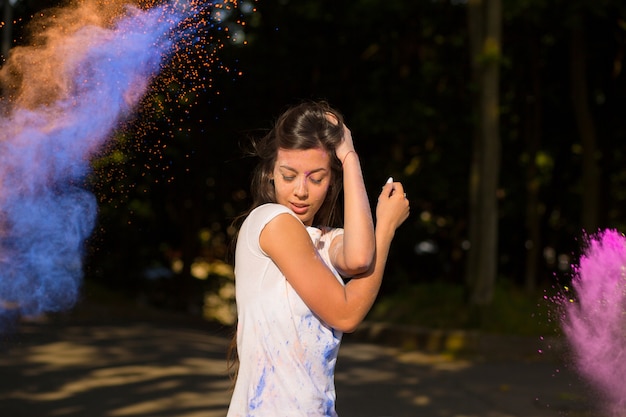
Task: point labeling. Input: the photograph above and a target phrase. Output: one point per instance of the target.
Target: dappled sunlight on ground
(157, 369)
(127, 370)
(415, 383)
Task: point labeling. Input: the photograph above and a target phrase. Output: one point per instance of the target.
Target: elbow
(354, 270)
(350, 329)
(359, 264)
(347, 325)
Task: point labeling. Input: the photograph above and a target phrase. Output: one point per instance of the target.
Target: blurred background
(502, 118)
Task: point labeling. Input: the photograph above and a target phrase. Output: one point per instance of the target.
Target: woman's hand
(393, 207)
(346, 146)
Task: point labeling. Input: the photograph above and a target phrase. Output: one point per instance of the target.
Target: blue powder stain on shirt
(308, 319)
(329, 352)
(329, 408)
(330, 355)
(257, 400)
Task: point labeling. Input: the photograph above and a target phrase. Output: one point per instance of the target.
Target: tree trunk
(7, 32)
(475, 27)
(584, 121)
(485, 20)
(533, 141)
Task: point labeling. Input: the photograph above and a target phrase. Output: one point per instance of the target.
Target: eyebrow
(306, 173)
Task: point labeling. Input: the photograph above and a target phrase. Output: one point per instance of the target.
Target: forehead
(303, 160)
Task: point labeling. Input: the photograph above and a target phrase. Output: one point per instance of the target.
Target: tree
(7, 18)
(585, 122)
(484, 21)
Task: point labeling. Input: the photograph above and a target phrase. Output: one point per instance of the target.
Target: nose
(301, 190)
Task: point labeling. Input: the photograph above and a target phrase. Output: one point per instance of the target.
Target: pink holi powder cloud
(595, 322)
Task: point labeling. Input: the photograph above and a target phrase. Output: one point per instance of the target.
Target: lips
(299, 208)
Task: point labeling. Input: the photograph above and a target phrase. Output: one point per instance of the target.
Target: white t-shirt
(286, 353)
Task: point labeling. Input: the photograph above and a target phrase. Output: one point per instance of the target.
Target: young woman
(292, 304)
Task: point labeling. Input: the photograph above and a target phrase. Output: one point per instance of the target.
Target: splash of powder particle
(64, 97)
(595, 322)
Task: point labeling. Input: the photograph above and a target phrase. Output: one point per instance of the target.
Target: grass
(434, 305)
(440, 305)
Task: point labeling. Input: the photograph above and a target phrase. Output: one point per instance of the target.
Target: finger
(398, 189)
(387, 189)
(389, 186)
(331, 118)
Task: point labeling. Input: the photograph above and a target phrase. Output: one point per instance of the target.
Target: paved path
(178, 370)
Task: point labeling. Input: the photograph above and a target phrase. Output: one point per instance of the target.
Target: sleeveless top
(287, 355)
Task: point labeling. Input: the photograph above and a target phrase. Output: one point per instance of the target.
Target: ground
(168, 366)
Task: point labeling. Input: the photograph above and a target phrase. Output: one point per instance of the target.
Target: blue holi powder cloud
(46, 212)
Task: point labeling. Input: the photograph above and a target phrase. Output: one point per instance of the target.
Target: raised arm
(354, 252)
(342, 308)
(391, 211)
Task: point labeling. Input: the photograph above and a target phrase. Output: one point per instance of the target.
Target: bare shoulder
(284, 233)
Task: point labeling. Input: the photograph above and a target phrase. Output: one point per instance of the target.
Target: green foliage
(441, 305)
(399, 70)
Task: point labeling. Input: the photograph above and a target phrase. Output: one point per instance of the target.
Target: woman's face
(301, 181)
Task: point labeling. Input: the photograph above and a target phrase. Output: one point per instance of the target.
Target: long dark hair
(301, 127)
